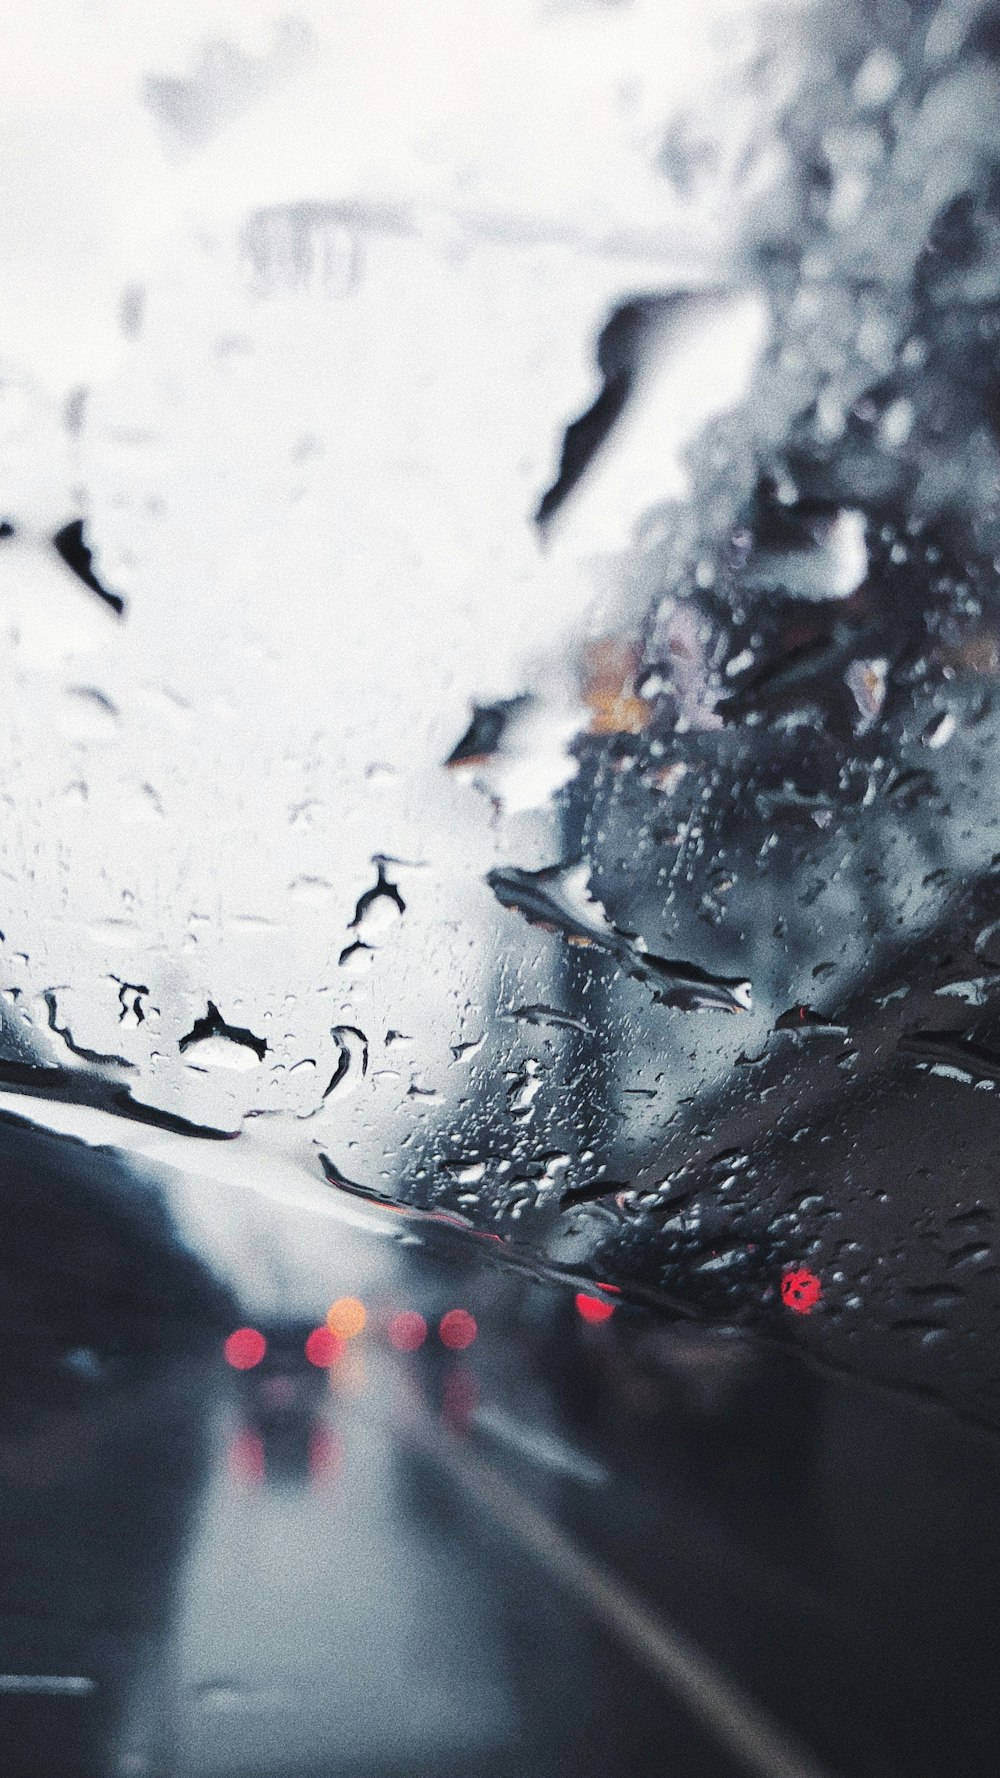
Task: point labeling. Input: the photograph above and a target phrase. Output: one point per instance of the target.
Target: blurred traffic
(459, 1519)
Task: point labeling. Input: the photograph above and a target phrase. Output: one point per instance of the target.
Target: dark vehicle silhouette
(281, 1369)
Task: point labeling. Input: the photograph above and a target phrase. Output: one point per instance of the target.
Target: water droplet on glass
(88, 715)
(378, 909)
(213, 1043)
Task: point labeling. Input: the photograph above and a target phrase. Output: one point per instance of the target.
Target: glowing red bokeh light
(407, 1331)
(244, 1349)
(457, 1329)
(593, 1308)
(800, 1290)
(323, 1348)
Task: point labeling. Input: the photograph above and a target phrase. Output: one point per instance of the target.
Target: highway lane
(575, 1543)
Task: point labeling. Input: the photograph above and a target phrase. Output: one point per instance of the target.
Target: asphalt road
(573, 1547)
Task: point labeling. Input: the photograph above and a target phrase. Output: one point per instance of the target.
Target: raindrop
(939, 730)
(867, 681)
(410, 1212)
(336, 1177)
(88, 715)
(806, 1022)
(522, 1091)
(808, 551)
(911, 787)
(539, 1014)
(130, 999)
(430, 1095)
(976, 1215)
(378, 908)
(988, 944)
(972, 991)
(79, 1049)
(71, 546)
(973, 1254)
(213, 1043)
(483, 735)
(352, 1060)
(800, 1290)
(969, 1060)
(465, 1172)
(558, 899)
(357, 958)
(591, 1192)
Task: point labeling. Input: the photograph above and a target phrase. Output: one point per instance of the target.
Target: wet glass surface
(500, 913)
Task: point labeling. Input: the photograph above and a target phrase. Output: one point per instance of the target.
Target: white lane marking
(542, 1447)
(47, 1685)
(756, 1740)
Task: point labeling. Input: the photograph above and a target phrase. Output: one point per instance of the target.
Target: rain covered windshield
(500, 640)
(499, 627)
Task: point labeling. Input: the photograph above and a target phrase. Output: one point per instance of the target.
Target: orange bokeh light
(346, 1317)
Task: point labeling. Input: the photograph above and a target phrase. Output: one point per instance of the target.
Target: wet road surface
(575, 1543)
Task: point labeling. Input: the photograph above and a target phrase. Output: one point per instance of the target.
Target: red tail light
(244, 1349)
(457, 1329)
(323, 1348)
